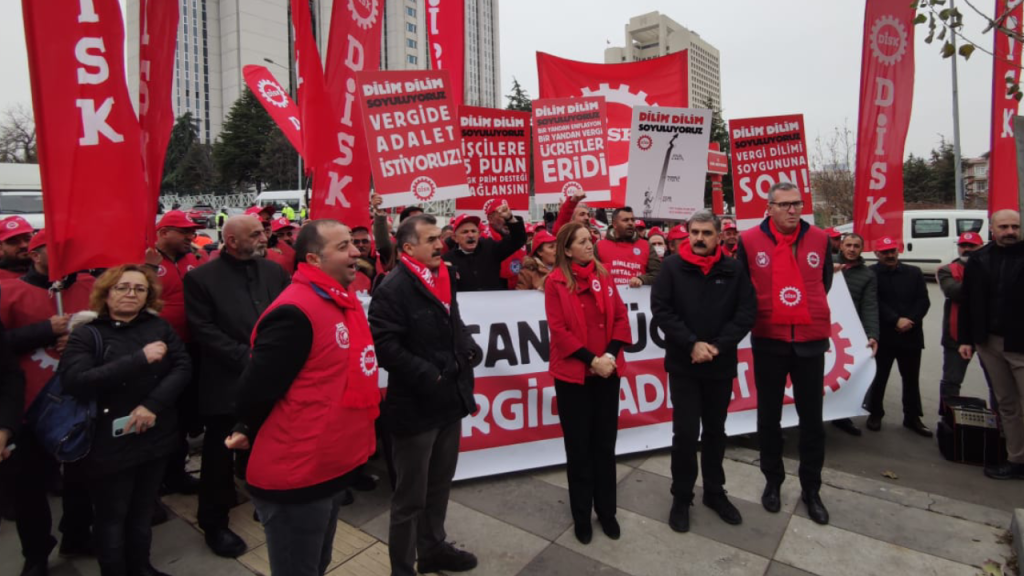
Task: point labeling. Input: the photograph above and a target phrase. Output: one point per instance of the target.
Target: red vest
(23, 304)
(624, 260)
(284, 255)
(309, 437)
(362, 283)
(957, 270)
(172, 278)
(810, 257)
(10, 274)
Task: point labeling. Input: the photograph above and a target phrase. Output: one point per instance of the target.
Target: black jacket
(481, 269)
(122, 382)
(862, 282)
(689, 307)
(427, 352)
(223, 300)
(952, 289)
(12, 387)
(992, 288)
(902, 293)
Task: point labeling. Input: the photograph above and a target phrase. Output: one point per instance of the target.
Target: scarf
(362, 389)
(705, 263)
(789, 297)
(440, 286)
(587, 278)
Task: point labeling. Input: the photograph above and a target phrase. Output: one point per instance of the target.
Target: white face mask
(659, 249)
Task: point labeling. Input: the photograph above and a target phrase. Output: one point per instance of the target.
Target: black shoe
(182, 484)
(225, 543)
(365, 482)
(770, 498)
(146, 570)
(75, 547)
(36, 567)
(719, 502)
(679, 516)
(347, 498)
(916, 425)
(610, 527)
(815, 508)
(159, 514)
(1007, 471)
(847, 425)
(874, 423)
(447, 558)
(584, 532)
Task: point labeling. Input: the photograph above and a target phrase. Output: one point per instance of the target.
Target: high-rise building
(217, 38)
(654, 34)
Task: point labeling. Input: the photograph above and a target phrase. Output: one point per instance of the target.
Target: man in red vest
(15, 234)
(627, 256)
(790, 264)
(496, 228)
(951, 280)
(37, 335)
(308, 401)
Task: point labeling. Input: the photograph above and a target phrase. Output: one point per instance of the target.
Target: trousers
(700, 407)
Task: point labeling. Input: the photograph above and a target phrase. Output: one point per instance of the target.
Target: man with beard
(627, 256)
(477, 261)
(496, 228)
(992, 322)
(15, 234)
(730, 237)
(951, 278)
(279, 245)
(366, 264)
(223, 301)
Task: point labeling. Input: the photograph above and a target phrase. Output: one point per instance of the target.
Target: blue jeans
(299, 535)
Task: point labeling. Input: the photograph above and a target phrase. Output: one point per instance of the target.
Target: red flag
(277, 103)
(89, 141)
(319, 138)
(448, 41)
(159, 21)
(655, 82)
(886, 97)
(1002, 161)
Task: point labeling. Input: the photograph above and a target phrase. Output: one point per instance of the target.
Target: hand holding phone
(121, 427)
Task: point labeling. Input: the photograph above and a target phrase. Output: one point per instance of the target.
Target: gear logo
(190, 268)
(596, 285)
(368, 360)
(515, 266)
(814, 260)
(424, 188)
(571, 188)
(889, 40)
(44, 360)
(12, 225)
(838, 360)
(620, 102)
(161, 271)
(644, 142)
(762, 259)
(364, 12)
(790, 296)
(271, 92)
(636, 251)
(341, 336)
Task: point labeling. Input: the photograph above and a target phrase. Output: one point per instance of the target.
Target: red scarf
(789, 297)
(705, 263)
(440, 286)
(362, 390)
(587, 278)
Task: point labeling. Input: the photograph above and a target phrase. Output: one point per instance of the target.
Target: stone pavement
(519, 524)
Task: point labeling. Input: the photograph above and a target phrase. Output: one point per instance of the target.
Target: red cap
(640, 223)
(655, 232)
(677, 233)
(463, 219)
(37, 241)
(177, 219)
(541, 238)
(258, 211)
(728, 225)
(14, 226)
(530, 228)
(280, 224)
(833, 233)
(886, 243)
(492, 205)
(972, 238)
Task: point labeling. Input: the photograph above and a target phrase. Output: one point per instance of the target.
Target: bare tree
(18, 135)
(832, 176)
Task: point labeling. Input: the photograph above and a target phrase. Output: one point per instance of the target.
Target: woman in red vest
(589, 328)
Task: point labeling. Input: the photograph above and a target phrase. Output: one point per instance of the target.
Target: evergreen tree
(916, 180)
(183, 136)
(195, 173)
(519, 99)
(278, 168)
(242, 140)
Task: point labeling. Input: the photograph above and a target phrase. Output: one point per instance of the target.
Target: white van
(296, 198)
(929, 236)
(21, 193)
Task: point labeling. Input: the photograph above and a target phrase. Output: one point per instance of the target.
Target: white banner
(668, 161)
(516, 426)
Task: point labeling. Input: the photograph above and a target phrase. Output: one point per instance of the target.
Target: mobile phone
(119, 426)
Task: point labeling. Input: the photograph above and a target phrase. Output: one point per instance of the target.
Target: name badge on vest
(762, 259)
(341, 336)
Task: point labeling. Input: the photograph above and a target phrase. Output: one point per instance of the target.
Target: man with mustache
(629, 257)
(15, 234)
(476, 260)
(951, 280)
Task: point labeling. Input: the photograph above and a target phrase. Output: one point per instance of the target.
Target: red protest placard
(413, 135)
(496, 151)
(766, 151)
(570, 143)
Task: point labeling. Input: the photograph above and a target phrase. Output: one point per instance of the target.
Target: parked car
(25, 203)
(202, 214)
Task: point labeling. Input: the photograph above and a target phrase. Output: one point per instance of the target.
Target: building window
(410, 11)
(410, 43)
(411, 59)
(410, 27)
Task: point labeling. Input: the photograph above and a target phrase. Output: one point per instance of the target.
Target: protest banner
(412, 129)
(668, 161)
(447, 33)
(570, 143)
(1002, 161)
(496, 151)
(516, 425)
(277, 103)
(766, 151)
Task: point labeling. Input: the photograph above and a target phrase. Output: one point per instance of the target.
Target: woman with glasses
(135, 381)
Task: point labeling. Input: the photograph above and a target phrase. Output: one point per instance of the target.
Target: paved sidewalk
(520, 525)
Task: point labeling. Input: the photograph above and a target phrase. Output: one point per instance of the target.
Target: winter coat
(981, 303)
(481, 269)
(901, 294)
(533, 274)
(862, 282)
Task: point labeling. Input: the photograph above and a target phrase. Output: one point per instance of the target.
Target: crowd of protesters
(260, 341)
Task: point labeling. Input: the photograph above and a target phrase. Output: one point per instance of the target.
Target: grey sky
(777, 57)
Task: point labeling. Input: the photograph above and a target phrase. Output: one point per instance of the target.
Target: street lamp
(294, 97)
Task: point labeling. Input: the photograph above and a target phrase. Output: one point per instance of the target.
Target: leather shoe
(364, 482)
(916, 425)
(146, 570)
(719, 502)
(610, 527)
(874, 423)
(770, 498)
(815, 508)
(225, 543)
(847, 425)
(1007, 471)
(347, 498)
(679, 516)
(447, 558)
(584, 531)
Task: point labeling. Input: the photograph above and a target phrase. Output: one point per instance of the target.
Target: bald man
(223, 301)
(991, 323)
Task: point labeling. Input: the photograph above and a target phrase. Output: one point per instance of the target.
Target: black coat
(481, 269)
(985, 298)
(122, 382)
(12, 386)
(427, 352)
(223, 300)
(902, 293)
(689, 307)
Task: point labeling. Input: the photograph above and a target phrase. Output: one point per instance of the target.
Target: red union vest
(172, 277)
(624, 260)
(309, 437)
(23, 304)
(810, 257)
(957, 270)
(284, 256)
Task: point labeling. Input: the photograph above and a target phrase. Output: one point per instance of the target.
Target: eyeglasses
(357, 241)
(787, 206)
(126, 288)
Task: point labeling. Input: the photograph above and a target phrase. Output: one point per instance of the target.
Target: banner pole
(958, 187)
